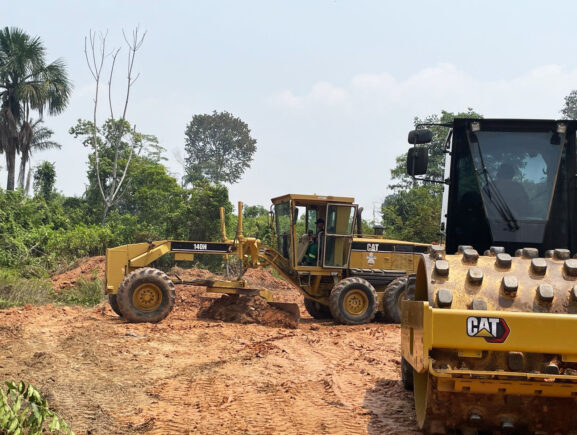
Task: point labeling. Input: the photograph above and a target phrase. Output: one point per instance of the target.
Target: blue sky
(328, 88)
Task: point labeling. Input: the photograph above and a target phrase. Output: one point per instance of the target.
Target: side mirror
(417, 161)
(295, 216)
(420, 136)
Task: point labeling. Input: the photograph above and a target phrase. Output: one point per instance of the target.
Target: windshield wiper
(492, 191)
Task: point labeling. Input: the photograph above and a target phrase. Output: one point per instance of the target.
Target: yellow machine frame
(369, 258)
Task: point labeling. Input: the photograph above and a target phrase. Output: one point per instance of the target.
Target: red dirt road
(189, 375)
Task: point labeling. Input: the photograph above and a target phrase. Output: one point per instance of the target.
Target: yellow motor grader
(348, 277)
(488, 341)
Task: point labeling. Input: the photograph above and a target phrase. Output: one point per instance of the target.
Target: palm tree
(34, 137)
(27, 83)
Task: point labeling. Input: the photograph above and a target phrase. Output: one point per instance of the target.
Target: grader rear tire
(392, 296)
(146, 295)
(317, 310)
(113, 302)
(353, 301)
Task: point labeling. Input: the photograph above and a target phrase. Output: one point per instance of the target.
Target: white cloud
(369, 117)
(538, 92)
(321, 94)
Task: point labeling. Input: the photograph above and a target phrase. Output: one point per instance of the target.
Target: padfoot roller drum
(492, 341)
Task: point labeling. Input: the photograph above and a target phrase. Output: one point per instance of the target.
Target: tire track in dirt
(186, 375)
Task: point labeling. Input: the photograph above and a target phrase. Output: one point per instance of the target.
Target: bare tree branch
(114, 54)
(133, 46)
(96, 69)
(95, 58)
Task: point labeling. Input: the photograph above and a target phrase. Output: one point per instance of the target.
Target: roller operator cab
(488, 341)
(511, 183)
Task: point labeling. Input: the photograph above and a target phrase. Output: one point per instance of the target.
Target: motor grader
(350, 278)
(488, 339)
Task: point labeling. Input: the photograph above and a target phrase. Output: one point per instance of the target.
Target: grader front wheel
(146, 295)
(353, 301)
(114, 304)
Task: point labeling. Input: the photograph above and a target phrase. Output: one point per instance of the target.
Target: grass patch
(86, 293)
(17, 292)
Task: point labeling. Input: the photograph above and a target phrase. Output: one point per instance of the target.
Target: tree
(116, 135)
(569, 110)
(117, 147)
(44, 179)
(413, 210)
(27, 83)
(413, 214)
(39, 141)
(153, 196)
(256, 223)
(218, 148)
(437, 151)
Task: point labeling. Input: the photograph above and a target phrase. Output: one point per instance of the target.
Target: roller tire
(146, 295)
(353, 301)
(392, 296)
(317, 310)
(113, 302)
(407, 374)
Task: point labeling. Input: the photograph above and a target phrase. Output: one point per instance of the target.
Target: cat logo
(492, 329)
(373, 247)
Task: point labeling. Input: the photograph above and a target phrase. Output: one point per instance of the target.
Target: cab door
(338, 235)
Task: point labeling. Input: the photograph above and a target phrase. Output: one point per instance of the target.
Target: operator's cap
(320, 221)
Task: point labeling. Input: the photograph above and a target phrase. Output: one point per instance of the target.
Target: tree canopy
(218, 147)
(27, 83)
(44, 179)
(569, 110)
(115, 145)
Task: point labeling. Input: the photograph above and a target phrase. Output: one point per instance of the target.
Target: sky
(329, 88)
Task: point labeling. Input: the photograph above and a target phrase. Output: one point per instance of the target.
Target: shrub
(17, 291)
(86, 293)
(24, 410)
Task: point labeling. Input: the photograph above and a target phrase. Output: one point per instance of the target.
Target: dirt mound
(247, 309)
(87, 269)
(190, 274)
(264, 278)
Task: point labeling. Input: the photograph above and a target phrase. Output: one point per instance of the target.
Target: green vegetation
(27, 84)
(219, 148)
(413, 210)
(86, 293)
(17, 291)
(23, 410)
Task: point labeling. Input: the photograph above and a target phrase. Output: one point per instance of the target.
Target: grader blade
(292, 309)
(240, 288)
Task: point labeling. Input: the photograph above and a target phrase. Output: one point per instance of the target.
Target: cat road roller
(489, 339)
(317, 247)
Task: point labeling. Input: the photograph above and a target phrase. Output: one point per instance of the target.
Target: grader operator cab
(352, 276)
(342, 275)
(487, 343)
